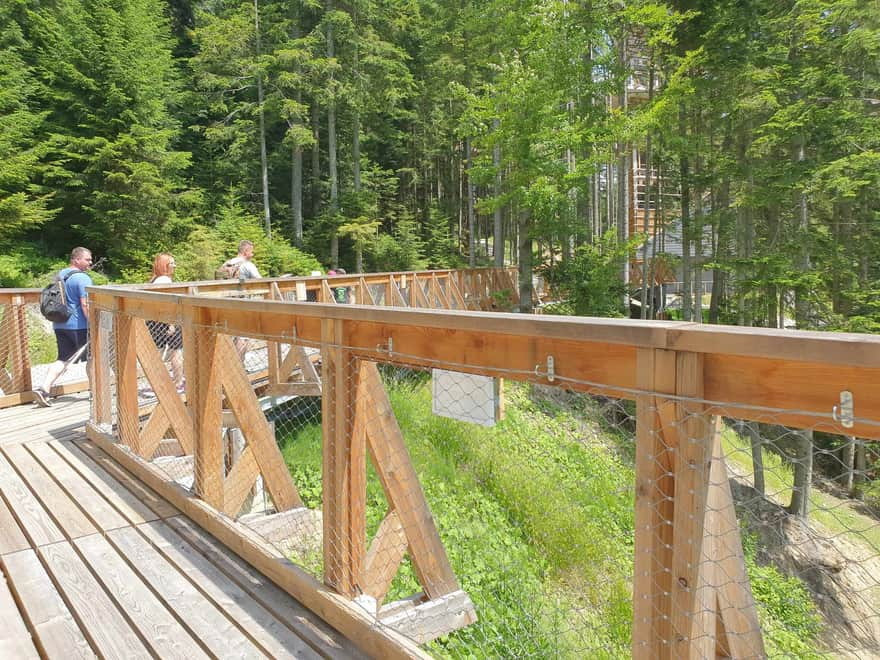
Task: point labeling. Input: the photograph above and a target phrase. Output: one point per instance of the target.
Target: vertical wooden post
(413, 295)
(344, 465)
(100, 377)
(653, 507)
(200, 344)
(126, 381)
(693, 610)
(19, 347)
(389, 291)
(273, 348)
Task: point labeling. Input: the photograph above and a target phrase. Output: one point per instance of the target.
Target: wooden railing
(474, 289)
(684, 377)
(16, 380)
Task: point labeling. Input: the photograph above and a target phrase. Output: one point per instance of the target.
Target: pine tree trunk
(801, 301)
(316, 162)
(803, 474)
(753, 432)
(264, 167)
(498, 228)
(646, 282)
(687, 299)
(525, 263)
(472, 229)
(849, 463)
(331, 153)
(859, 475)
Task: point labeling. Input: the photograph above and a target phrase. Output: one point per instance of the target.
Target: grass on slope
(536, 515)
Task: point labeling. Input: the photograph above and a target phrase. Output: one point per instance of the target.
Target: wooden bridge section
(96, 563)
(485, 289)
(691, 595)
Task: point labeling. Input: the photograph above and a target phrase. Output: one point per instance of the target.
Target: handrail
(681, 375)
(471, 288)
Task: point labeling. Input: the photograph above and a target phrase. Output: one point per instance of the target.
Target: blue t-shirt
(74, 290)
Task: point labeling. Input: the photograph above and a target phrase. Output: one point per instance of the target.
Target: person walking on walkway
(168, 338)
(71, 336)
(241, 267)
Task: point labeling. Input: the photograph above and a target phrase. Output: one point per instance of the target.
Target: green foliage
(440, 247)
(789, 618)
(403, 250)
(23, 205)
(589, 283)
(522, 562)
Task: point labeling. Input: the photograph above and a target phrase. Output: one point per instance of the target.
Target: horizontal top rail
(24, 296)
(311, 281)
(837, 348)
(748, 370)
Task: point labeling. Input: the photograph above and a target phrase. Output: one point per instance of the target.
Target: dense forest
(401, 134)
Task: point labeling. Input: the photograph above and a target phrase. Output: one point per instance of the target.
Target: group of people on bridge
(72, 335)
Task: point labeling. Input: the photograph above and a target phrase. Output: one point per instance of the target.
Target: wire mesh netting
(514, 517)
(27, 348)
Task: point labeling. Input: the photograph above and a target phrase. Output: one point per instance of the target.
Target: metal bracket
(550, 374)
(844, 413)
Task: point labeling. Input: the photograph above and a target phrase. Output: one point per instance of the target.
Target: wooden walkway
(95, 564)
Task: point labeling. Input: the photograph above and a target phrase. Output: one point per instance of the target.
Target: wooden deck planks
(12, 539)
(162, 632)
(95, 612)
(36, 523)
(123, 500)
(258, 623)
(217, 633)
(148, 496)
(63, 509)
(98, 510)
(308, 625)
(15, 640)
(55, 630)
(93, 571)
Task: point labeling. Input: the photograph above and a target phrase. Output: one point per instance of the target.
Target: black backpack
(53, 301)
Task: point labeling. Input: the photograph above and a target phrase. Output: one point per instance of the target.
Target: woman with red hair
(168, 338)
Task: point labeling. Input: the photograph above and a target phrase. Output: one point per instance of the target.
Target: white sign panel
(466, 397)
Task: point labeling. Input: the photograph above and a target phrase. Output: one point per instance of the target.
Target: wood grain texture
(384, 556)
(256, 430)
(56, 632)
(99, 618)
(401, 484)
(12, 539)
(127, 416)
(60, 505)
(123, 500)
(93, 504)
(158, 505)
(216, 632)
(350, 620)
(162, 632)
(726, 568)
(157, 374)
(693, 625)
(258, 623)
(36, 523)
(15, 639)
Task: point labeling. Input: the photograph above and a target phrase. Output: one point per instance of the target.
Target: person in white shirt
(241, 265)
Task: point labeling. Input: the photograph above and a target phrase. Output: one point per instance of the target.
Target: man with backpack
(72, 333)
(239, 267)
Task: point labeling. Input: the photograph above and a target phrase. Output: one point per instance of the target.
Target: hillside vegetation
(537, 517)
